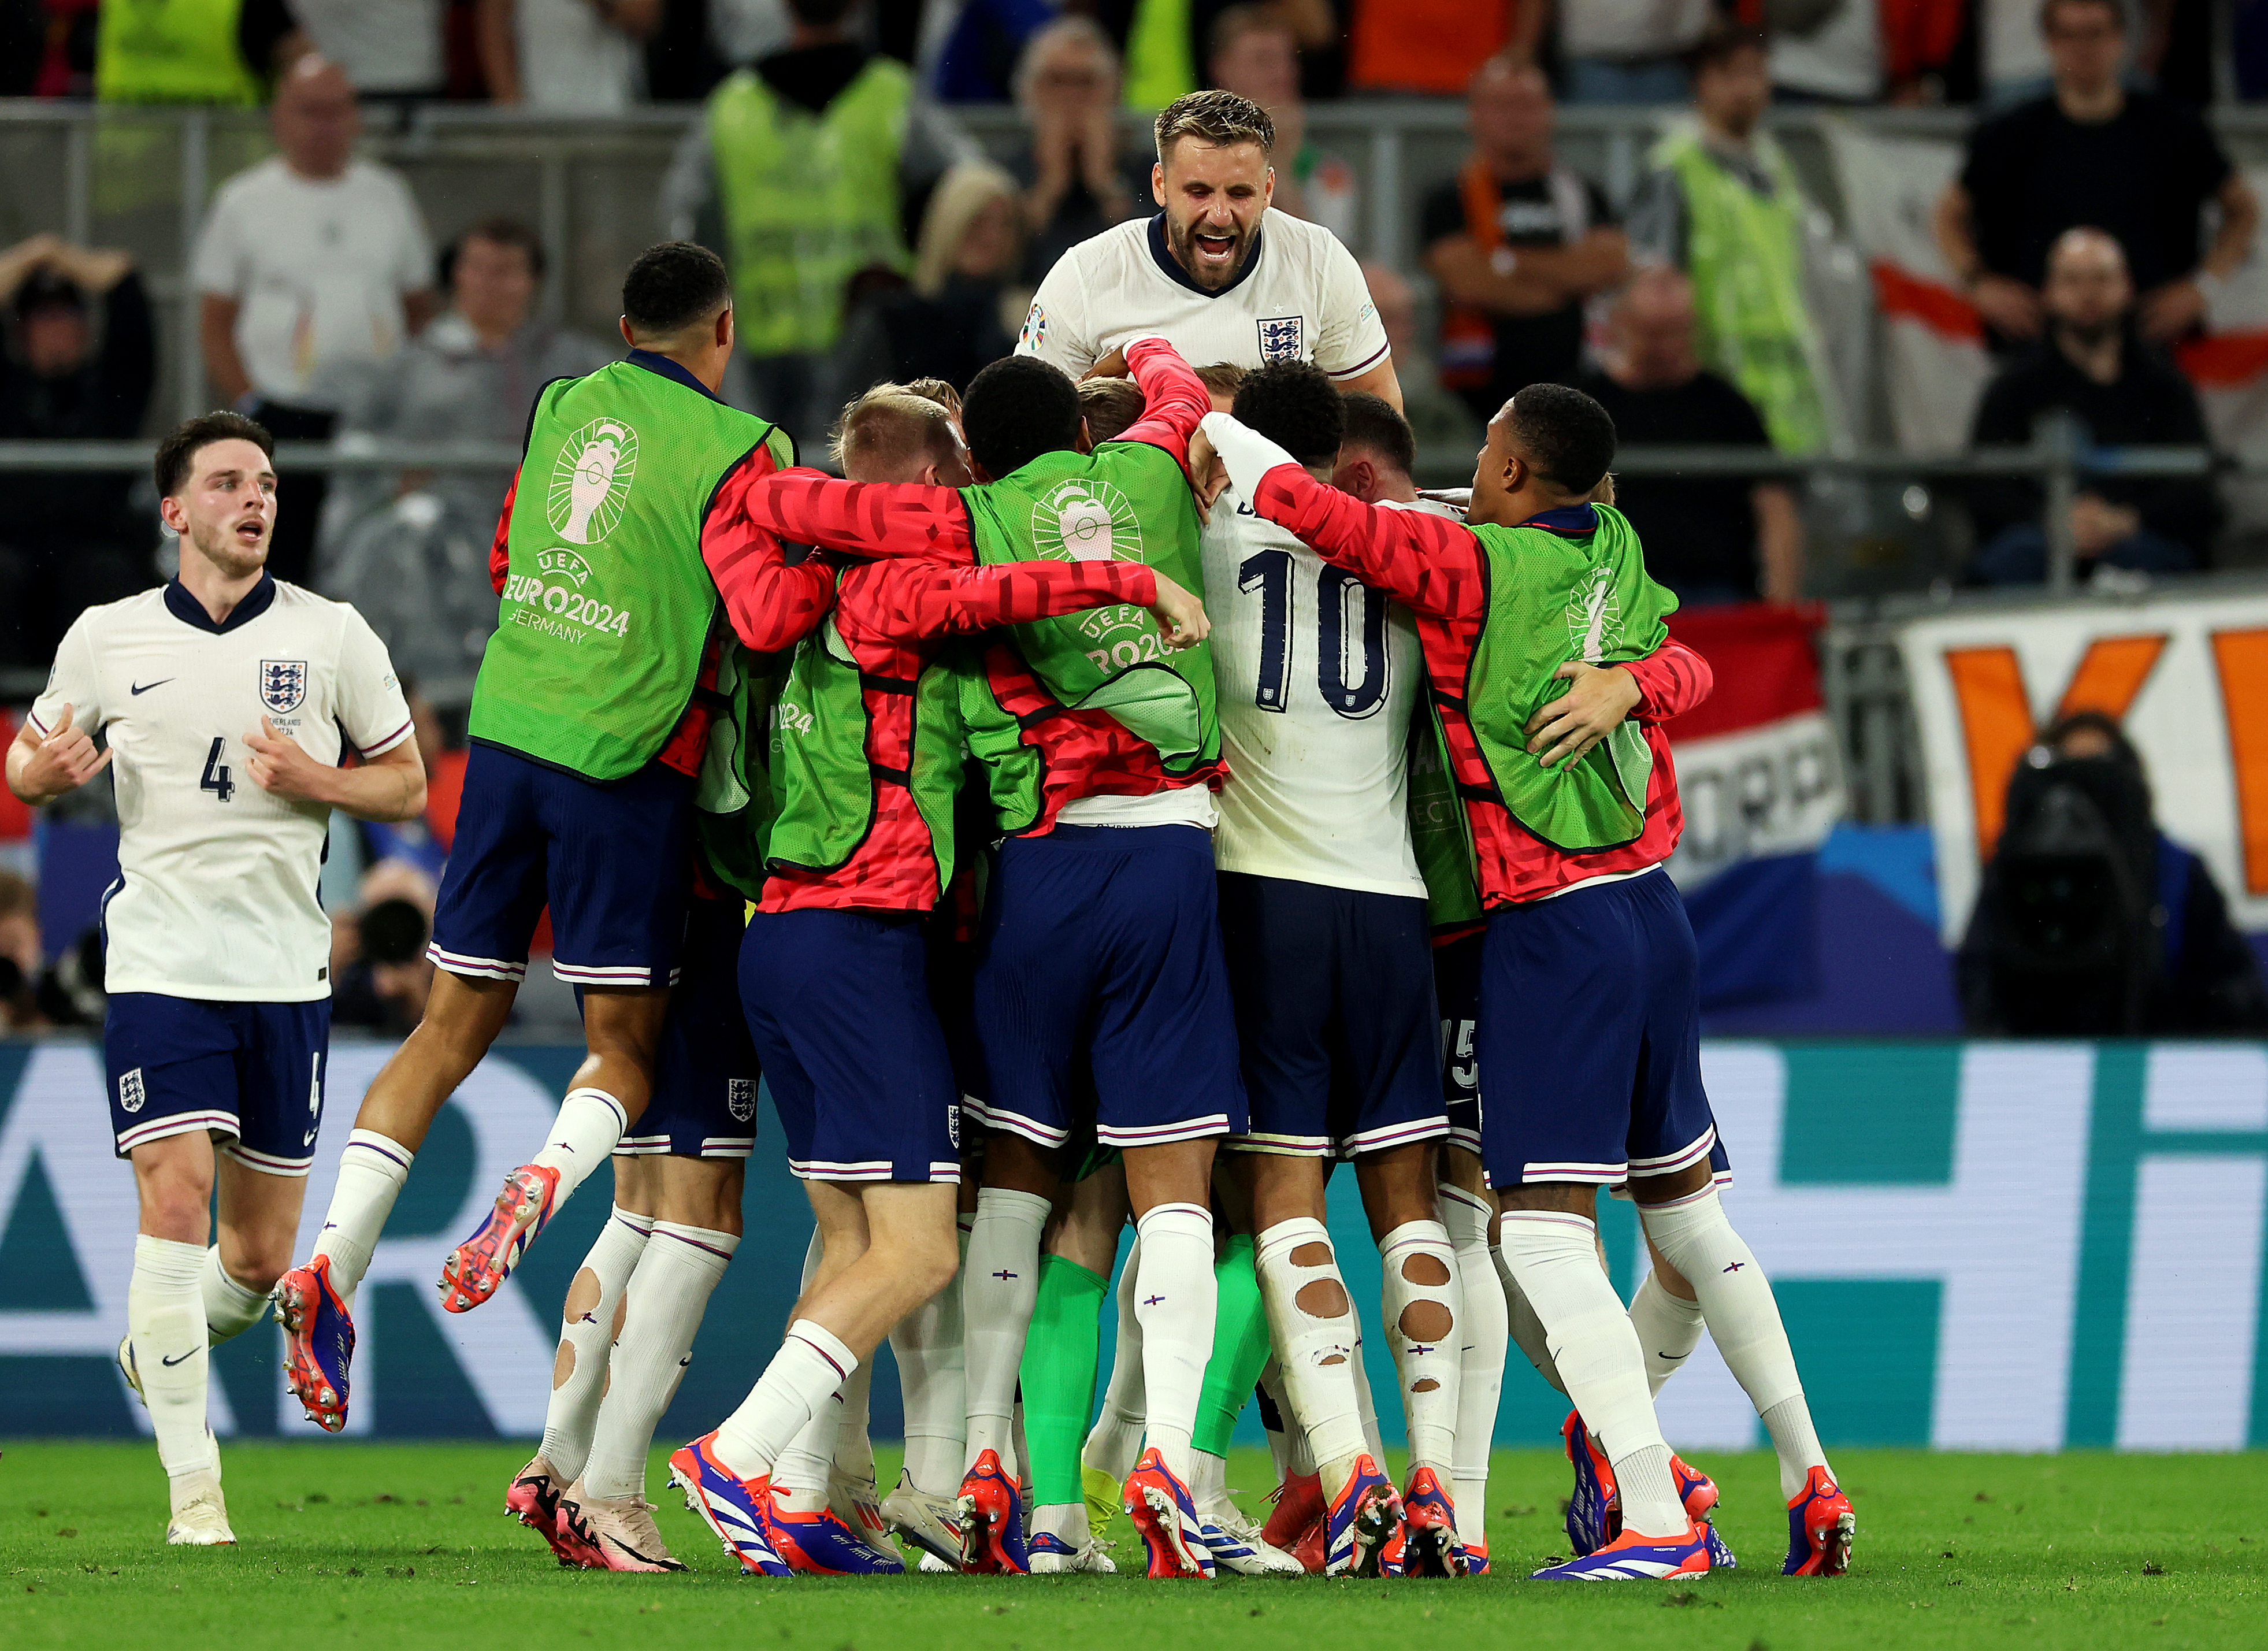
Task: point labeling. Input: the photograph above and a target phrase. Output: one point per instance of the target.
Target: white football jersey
(215, 896)
(1317, 675)
(1300, 298)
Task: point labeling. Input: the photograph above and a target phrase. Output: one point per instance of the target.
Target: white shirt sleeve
(371, 706)
(1353, 338)
(1055, 327)
(1245, 453)
(219, 266)
(72, 681)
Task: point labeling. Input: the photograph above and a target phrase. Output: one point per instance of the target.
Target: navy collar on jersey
(1165, 260)
(1569, 521)
(655, 363)
(190, 611)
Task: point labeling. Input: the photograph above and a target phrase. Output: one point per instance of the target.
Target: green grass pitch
(354, 1544)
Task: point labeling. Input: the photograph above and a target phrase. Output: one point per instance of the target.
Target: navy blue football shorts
(250, 1072)
(1457, 986)
(1335, 1017)
(613, 862)
(838, 1005)
(1590, 1037)
(704, 1080)
(1101, 945)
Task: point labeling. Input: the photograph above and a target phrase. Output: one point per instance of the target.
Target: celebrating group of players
(1113, 800)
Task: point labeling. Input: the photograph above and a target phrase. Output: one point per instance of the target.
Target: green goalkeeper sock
(1240, 1346)
(1057, 1374)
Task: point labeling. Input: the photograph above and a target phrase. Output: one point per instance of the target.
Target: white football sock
(1291, 1448)
(590, 1321)
(1669, 1329)
(231, 1308)
(1743, 1319)
(1208, 1479)
(662, 1307)
(854, 1445)
(1423, 1310)
(1114, 1444)
(934, 1383)
(166, 1317)
(1366, 1410)
(1175, 1299)
(811, 1365)
(590, 1126)
(371, 1170)
(1300, 1277)
(1480, 1356)
(1555, 1257)
(799, 1472)
(1065, 1519)
(1522, 1325)
(999, 1286)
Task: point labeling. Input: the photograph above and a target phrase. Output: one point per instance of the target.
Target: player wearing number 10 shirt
(228, 700)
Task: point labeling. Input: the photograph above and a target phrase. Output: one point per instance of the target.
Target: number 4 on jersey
(216, 778)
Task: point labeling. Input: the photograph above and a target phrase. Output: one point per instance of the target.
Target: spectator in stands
(1517, 242)
(2091, 922)
(2123, 393)
(308, 261)
(1720, 203)
(803, 170)
(410, 550)
(70, 539)
(193, 51)
(391, 49)
(1253, 52)
(378, 968)
(567, 56)
(1438, 414)
(959, 312)
(1629, 51)
(2093, 151)
(1711, 539)
(1168, 42)
(1077, 179)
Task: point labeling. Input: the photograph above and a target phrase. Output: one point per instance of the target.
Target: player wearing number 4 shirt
(228, 701)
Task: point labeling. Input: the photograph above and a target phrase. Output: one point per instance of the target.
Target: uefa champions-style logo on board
(1086, 520)
(592, 480)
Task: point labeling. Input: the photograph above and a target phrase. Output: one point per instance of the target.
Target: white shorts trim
(1281, 1145)
(994, 1117)
(1400, 1134)
(1597, 1175)
(1162, 1134)
(871, 1170)
(268, 1163)
(606, 975)
(1678, 1160)
(177, 1124)
(478, 967)
(1469, 1140)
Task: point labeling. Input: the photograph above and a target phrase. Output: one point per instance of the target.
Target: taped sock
(590, 1320)
(663, 1303)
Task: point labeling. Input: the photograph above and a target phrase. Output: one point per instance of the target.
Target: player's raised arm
(865, 519)
(926, 599)
(1173, 398)
(1427, 561)
(772, 605)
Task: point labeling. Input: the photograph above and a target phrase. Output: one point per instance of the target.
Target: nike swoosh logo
(144, 688)
(686, 1360)
(170, 1363)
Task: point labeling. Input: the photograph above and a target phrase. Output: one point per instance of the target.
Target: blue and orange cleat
(990, 1514)
(1593, 1520)
(1630, 1557)
(476, 1267)
(730, 1506)
(1364, 1520)
(1820, 1528)
(1477, 1560)
(1429, 1529)
(1165, 1517)
(822, 1545)
(318, 1342)
(1696, 1490)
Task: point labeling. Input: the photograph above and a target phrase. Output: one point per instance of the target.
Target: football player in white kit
(227, 699)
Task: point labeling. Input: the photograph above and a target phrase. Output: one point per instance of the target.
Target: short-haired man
(228, 700)
(587, 735)
(1216, 272)
(2091, 152)
(1099, 946)
(1569, 826)
(866, 768)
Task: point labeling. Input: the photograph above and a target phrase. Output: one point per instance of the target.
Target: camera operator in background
(2090, 921)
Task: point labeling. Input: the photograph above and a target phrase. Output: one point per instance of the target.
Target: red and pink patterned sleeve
(913, 599)
(1175, 399)
(875, 519)
(500, 547)
(1428, 563)
(772, 606)
(1671, 681)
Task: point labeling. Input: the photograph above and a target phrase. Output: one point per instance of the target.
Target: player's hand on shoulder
(1208, 475)
(281, 767)
(1182, 620)
(62, 762)
(1110, 366)
(1597, 700)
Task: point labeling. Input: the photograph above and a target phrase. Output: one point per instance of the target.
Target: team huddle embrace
(1121, 798)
